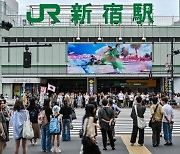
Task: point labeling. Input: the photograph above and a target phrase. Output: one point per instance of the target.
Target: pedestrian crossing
(123, 122)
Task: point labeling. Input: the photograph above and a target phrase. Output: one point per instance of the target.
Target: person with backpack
(33, 113)
(44, 121)
(55, 128)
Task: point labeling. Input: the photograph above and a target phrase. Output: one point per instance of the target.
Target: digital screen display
(109, 58)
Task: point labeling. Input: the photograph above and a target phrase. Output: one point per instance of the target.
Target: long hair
(18, 105)
(89, 111)
(46, 103)
(32, 103)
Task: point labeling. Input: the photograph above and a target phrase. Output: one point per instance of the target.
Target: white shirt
(168, 112)
(121, 96)
(131, 97)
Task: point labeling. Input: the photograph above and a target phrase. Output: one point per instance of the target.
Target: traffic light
(6, 25)
(27, 60)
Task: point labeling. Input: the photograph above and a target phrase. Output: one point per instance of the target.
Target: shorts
(20, 138)
(56, 133)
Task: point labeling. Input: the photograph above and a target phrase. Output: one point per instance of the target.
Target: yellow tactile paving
(134, 149)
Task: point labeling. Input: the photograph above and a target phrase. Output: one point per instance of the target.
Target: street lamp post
(173, 52)
(172, 73)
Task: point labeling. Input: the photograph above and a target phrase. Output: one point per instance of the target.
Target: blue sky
(161, 7)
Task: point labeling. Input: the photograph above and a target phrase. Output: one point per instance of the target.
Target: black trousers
(134, 135)
(104, 137)
(156, 129)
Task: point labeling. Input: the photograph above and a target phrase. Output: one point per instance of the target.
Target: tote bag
(28, 132)
(140, 121)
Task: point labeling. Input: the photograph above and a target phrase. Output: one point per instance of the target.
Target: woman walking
(19, 116)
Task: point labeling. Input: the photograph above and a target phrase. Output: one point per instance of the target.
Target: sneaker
(53, 150)
(104, 148)
(114, 139)
(113, 148)
(140, 144)
(132, 144)
(58, 150)
(167, 143)
(35, 143)
(32, 143)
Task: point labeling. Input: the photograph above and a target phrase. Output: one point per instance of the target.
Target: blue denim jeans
(66, 130)
(167, 132)
(45, 138)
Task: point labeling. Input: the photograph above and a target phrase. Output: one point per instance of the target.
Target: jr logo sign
(54, 11)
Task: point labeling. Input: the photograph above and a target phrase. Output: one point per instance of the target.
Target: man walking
(140, 111)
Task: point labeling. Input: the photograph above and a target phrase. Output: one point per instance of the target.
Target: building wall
(177, 85)
(53, 60)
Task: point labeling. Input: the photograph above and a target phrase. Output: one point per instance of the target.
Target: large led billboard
(109, 58)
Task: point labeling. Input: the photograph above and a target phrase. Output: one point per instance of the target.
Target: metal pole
(172, 73)
(1, 63)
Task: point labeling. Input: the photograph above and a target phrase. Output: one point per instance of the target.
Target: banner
(109, 58)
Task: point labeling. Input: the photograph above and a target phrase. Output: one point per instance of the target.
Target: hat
(56, 109)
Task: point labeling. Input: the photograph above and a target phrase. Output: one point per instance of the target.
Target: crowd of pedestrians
(53, 117)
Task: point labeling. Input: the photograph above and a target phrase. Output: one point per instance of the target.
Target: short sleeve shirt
(158, 113)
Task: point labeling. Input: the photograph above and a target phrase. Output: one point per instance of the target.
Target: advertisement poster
(109, 58)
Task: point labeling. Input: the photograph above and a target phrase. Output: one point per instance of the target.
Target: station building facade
(50, 64)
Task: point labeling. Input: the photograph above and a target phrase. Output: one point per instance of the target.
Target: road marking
(134, 149)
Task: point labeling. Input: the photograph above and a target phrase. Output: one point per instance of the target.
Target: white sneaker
(58, 150)
(132, 144)
(53, 150)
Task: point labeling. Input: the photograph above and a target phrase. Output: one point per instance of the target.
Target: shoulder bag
(140, 121)
(28, 132)
(113, 122)
(150, 122)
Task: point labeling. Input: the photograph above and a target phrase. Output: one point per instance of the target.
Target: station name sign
(81, 14)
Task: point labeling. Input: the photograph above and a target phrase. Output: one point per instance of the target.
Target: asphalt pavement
(73, 147)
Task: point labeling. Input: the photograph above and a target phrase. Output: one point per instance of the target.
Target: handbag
(27, 132)
(140, 121)
(150, 122)
(81, 133)
(73, 115)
